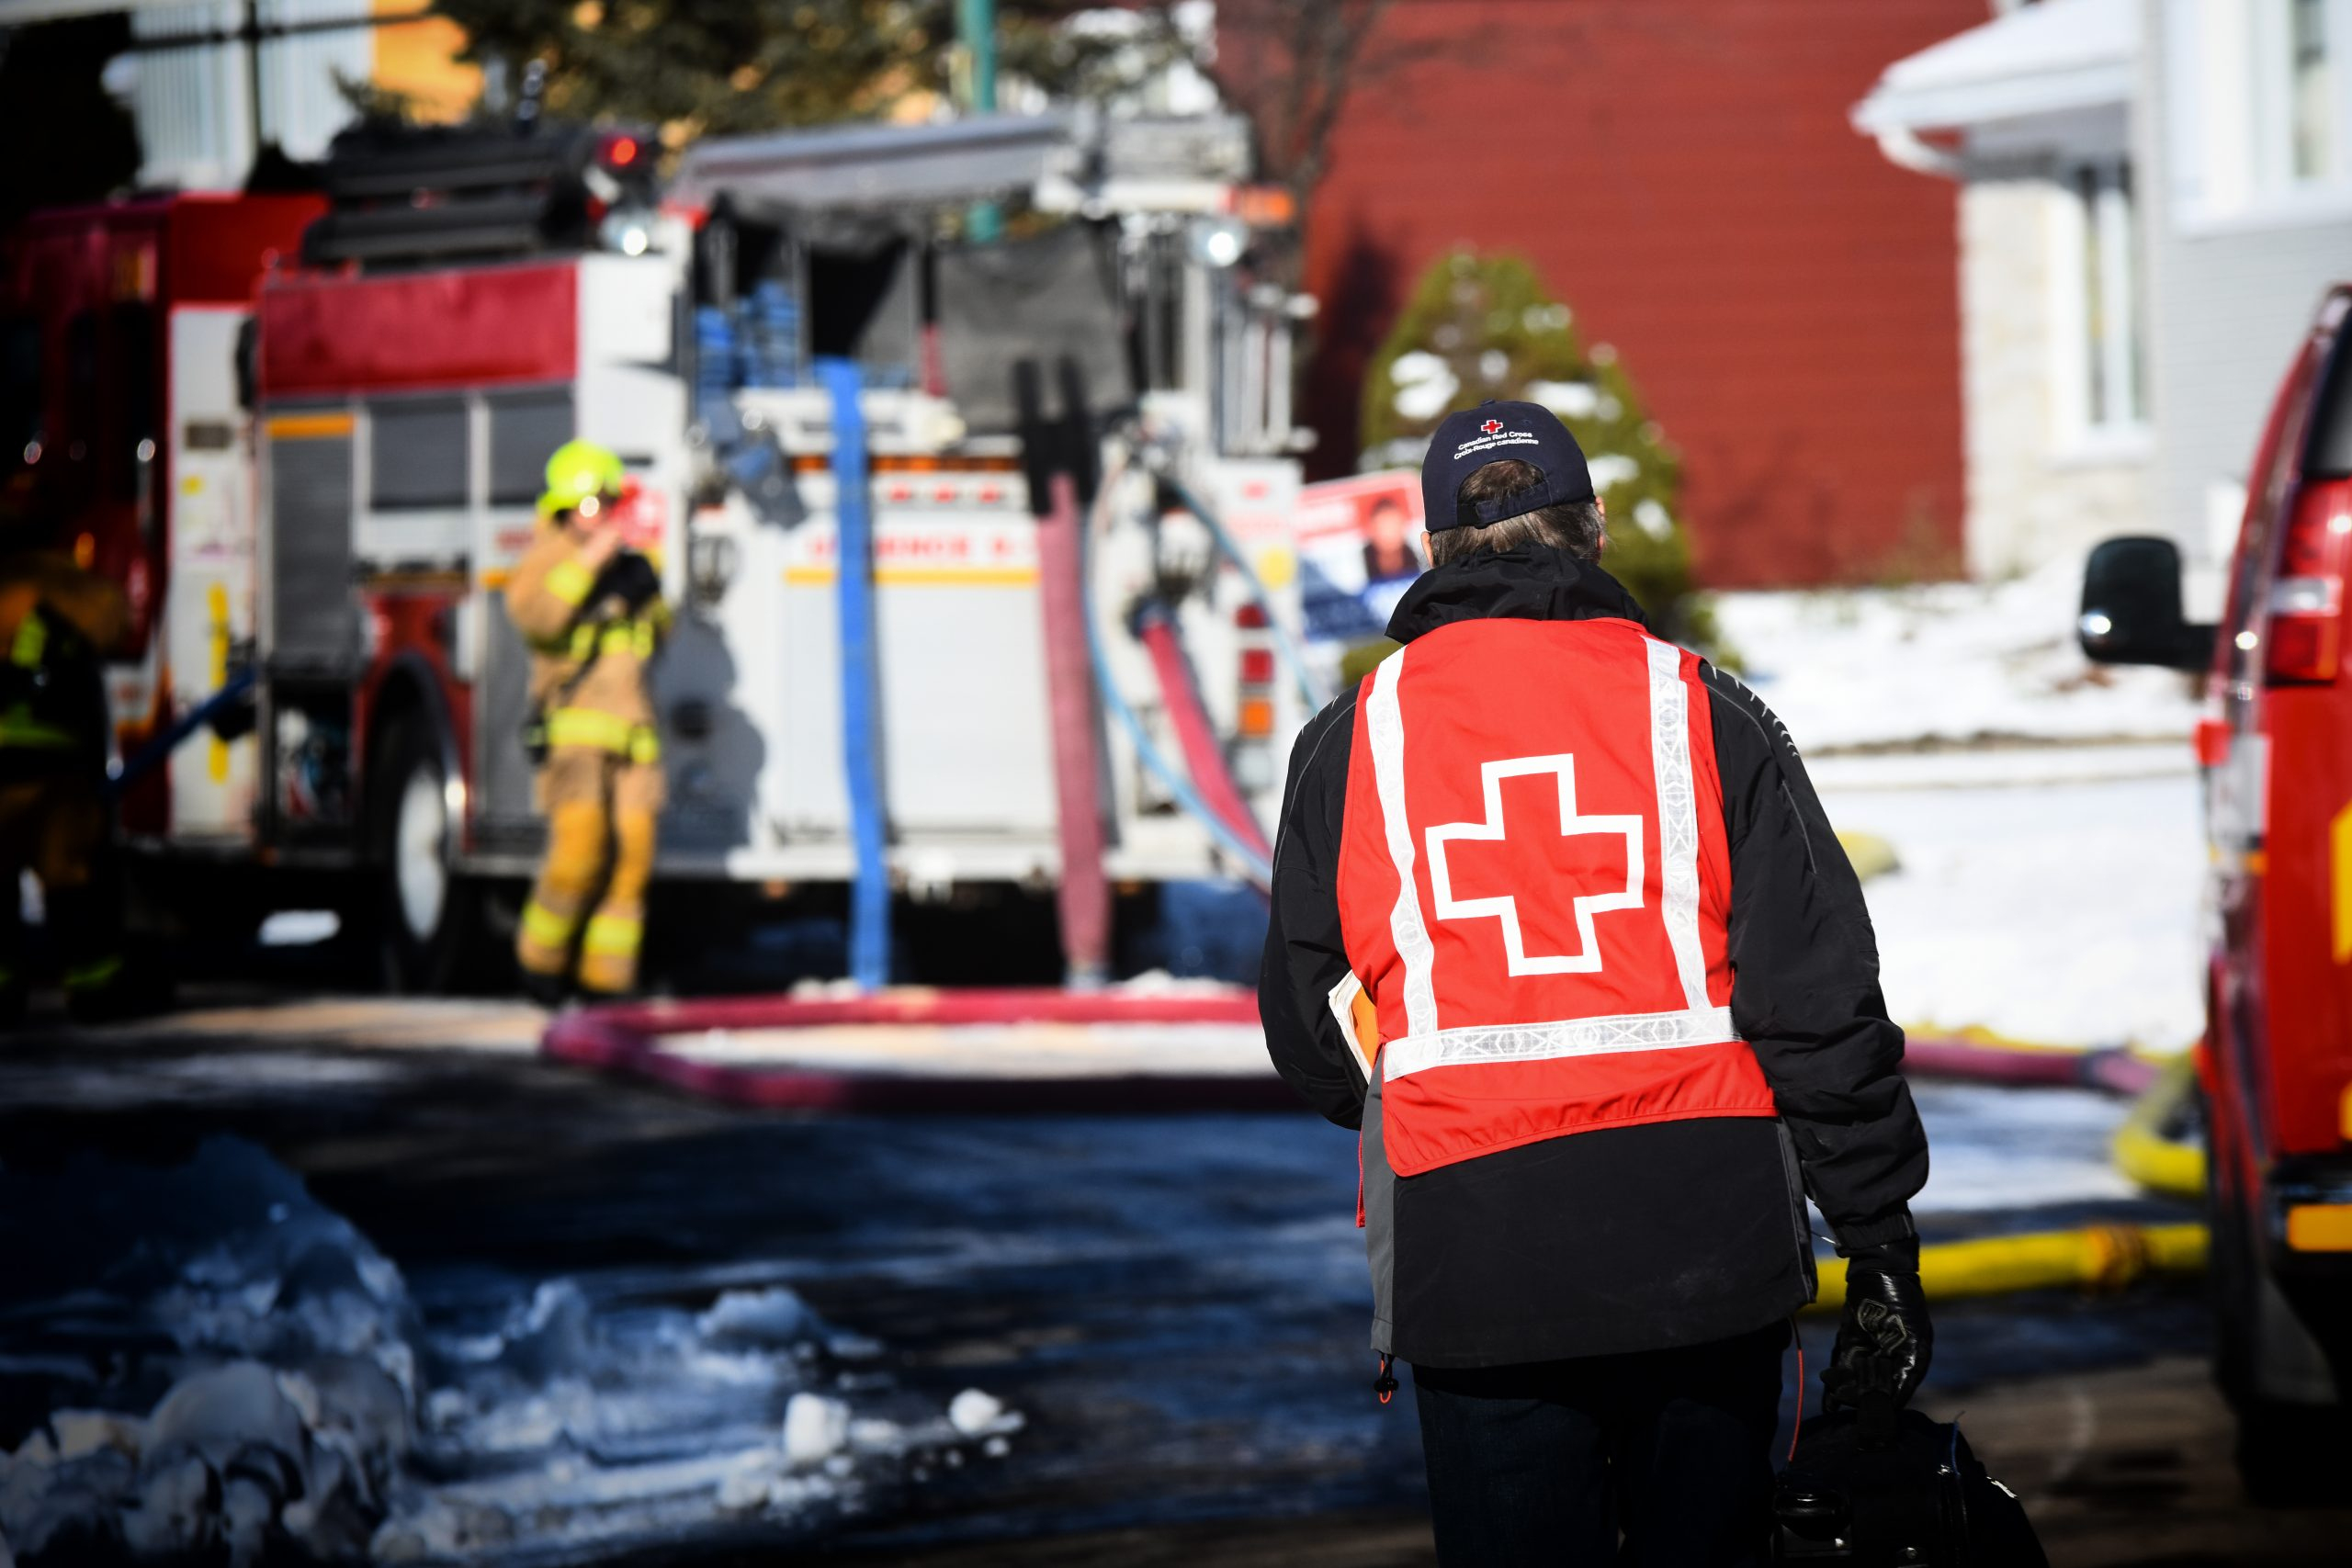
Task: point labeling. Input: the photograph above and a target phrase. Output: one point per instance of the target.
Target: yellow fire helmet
(578, 470)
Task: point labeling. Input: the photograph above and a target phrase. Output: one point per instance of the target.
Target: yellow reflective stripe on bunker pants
(31, 644)
(616, 936)
(543, 928)
(603, 732)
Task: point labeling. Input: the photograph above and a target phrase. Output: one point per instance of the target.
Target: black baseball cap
(1491, 433)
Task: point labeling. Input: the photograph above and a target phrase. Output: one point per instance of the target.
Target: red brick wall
(1682, 174)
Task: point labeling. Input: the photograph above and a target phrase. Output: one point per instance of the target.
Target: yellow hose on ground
(1869, 855)
(2099, 1258)
(2143, 1153)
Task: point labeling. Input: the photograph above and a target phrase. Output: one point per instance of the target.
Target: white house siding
(2035, 493)
(2231, 290)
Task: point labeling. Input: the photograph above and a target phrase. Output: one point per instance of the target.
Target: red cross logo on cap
(1492, 427)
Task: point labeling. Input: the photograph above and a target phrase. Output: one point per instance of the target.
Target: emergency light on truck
(2307, 597)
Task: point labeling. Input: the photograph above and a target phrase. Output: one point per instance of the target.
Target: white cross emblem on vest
(1505, 908)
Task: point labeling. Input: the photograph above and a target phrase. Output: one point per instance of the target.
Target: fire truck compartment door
(966, 750)
(210, 611)
(503, 802)
(313, 621)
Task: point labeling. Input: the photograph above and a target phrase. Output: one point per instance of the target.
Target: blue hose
(869, 923)
(239, 686)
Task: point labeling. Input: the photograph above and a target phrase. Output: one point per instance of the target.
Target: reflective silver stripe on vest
(1548, 1042)
(1386, 718)
(1677, 818)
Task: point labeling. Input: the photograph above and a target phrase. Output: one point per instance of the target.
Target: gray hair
(1574, 526)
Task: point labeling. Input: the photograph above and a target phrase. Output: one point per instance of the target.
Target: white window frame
(2101, 409)
(2229, 106)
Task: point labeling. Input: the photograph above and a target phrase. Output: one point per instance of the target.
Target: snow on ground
(2044, 811)
(1953, 662)
(2063, 913)
(2045, 816)
(1995, 1148)
(238, 1374)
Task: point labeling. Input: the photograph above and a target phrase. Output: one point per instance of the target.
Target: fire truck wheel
(420, 904)
(2288, 1455)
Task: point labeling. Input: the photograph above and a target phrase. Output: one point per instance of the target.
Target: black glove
(1884, 1340)
(629, 577)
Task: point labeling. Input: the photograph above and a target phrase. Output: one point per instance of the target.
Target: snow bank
(2066, 912)
(238, 1375)
(1947, 662)
(2047, 890)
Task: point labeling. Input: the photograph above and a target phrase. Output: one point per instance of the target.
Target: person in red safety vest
(1559, 924)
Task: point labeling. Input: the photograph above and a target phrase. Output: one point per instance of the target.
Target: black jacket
(1628, 1238)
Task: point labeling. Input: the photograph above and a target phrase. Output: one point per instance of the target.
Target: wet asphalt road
(1176, 1303)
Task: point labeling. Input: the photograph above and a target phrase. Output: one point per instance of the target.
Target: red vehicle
(119, 410)
(308, 435)
(2276, 747)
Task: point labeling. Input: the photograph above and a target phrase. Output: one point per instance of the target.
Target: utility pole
(976, 20)
(253, 76)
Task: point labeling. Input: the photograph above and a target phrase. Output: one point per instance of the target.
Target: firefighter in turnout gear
(57, 622)
(590, 609)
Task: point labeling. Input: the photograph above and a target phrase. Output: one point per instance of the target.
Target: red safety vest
(1534, 889)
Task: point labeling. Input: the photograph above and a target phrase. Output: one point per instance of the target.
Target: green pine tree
(1479, 327)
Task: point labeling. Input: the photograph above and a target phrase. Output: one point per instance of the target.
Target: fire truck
(2276, 750)
(307, 434)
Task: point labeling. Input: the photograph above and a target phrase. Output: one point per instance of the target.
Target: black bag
(1885, 1487)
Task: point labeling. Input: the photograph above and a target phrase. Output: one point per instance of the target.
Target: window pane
(2130, 329)
(524, 430)
(419, 456)
(2096, 389)
(2311, 84)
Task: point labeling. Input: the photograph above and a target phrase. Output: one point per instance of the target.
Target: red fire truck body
(348, 404)
(126, 435)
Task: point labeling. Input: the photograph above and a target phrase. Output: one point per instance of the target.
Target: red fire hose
(1203, 758)
(627, 1038)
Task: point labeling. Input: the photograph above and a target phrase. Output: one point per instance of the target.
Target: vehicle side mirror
(2131, 607)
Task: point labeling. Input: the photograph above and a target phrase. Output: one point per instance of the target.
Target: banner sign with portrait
(1359, 549)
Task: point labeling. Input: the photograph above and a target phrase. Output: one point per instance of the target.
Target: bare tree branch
(1289, 65)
